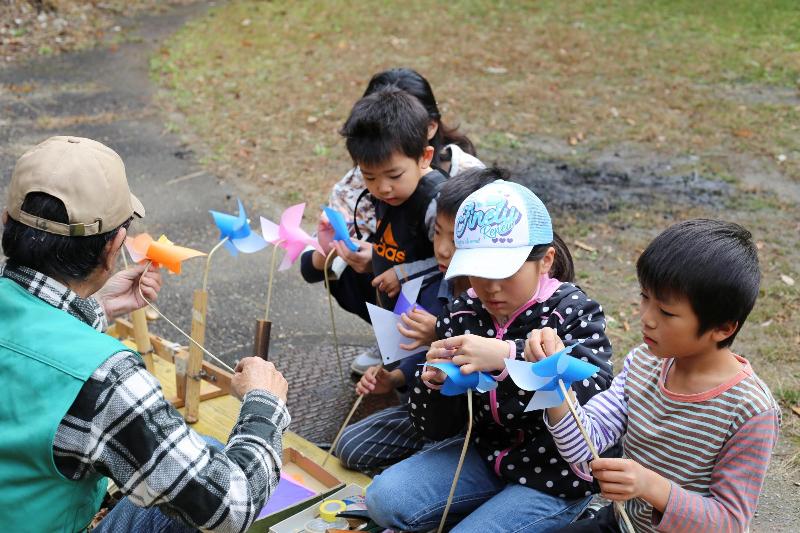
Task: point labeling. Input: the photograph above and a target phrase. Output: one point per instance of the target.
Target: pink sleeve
(735, 483)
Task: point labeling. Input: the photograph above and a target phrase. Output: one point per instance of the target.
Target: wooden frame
(185, 381)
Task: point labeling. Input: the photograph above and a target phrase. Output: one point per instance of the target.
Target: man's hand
(472, 353)
(253, 373)
(625, 479)
(418, 325)
(361, 260)
(387, 283)
(120, 294)
(542, 343)
(378, 380)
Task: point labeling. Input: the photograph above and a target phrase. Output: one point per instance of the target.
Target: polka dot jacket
(517, 445)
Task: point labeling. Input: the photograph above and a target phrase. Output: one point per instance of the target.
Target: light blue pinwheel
(339, 226)
(458, 383)
(240, 238)
(544, 376)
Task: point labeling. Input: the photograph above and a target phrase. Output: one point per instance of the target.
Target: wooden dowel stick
(330, 309)
(341, 430)
(208, 262)
(460, 464)
(271, 277)
(619, 505)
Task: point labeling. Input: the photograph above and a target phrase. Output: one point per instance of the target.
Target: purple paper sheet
(287, 493)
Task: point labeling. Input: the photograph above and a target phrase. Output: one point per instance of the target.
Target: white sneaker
(369, 357)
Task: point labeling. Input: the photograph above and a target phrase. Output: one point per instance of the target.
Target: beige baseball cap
(88, 176)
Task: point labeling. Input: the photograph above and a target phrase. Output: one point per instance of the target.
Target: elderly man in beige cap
(77, 406)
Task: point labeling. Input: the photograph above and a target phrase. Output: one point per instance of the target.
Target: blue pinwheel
(339, 226)
(458, 383)
(240, 238)
(544, 376)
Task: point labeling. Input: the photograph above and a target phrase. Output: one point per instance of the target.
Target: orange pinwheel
(161, 251)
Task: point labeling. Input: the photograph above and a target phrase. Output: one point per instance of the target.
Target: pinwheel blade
(542, 399)
(250, 244)
(270, 231)
(521, 373)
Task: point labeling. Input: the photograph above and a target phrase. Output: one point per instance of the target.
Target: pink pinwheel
(289, 235)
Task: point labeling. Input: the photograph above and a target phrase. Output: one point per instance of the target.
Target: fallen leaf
(584, 246)
(744, 133)
(626, 326)
(787, 280)
(496, 70)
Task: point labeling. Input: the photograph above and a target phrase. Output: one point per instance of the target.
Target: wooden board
(219, 415)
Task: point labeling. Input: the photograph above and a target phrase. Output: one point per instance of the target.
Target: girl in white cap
(513, 478)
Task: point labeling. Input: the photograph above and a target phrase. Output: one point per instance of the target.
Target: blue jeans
(126, 516)
(412, 494)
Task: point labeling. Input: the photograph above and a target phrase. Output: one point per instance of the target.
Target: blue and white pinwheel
(543, 377)
(237, 230)
(458, 383)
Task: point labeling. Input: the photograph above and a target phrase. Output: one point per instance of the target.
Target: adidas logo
(388, 247)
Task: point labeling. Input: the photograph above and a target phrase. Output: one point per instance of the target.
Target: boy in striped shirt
(696, 424)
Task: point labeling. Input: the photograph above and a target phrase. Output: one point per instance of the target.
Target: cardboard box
(296, 522)
(312, 476)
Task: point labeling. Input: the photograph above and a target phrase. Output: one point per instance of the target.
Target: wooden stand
(142, 339)
(195, 364)
(262, 336)
(213, 380)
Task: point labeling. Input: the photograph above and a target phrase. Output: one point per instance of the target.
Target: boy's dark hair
(416, 85)
(57, 256)
(387, 121)
(456, 189)
(711, 263)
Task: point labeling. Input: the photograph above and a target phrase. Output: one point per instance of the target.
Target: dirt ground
(624, 121)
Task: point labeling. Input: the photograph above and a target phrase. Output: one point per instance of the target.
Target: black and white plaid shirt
(122, 427)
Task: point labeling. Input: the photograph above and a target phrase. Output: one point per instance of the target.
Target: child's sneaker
(369, 357)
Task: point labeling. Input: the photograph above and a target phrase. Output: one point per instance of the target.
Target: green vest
(46, 355)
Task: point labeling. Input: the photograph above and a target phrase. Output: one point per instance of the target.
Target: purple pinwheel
(458, 383)
(543, 377)
(289, 235)
(240, 238)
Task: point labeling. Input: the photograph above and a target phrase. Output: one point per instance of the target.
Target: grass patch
(272, 82)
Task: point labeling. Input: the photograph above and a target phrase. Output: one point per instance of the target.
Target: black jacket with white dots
(516, 445)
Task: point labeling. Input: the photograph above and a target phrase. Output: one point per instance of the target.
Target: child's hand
(361, 260)
(378, 380)
(388, 283)
(325, 234)
(472, 353)
(418, 325)
(542, 343)
(625, 479)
